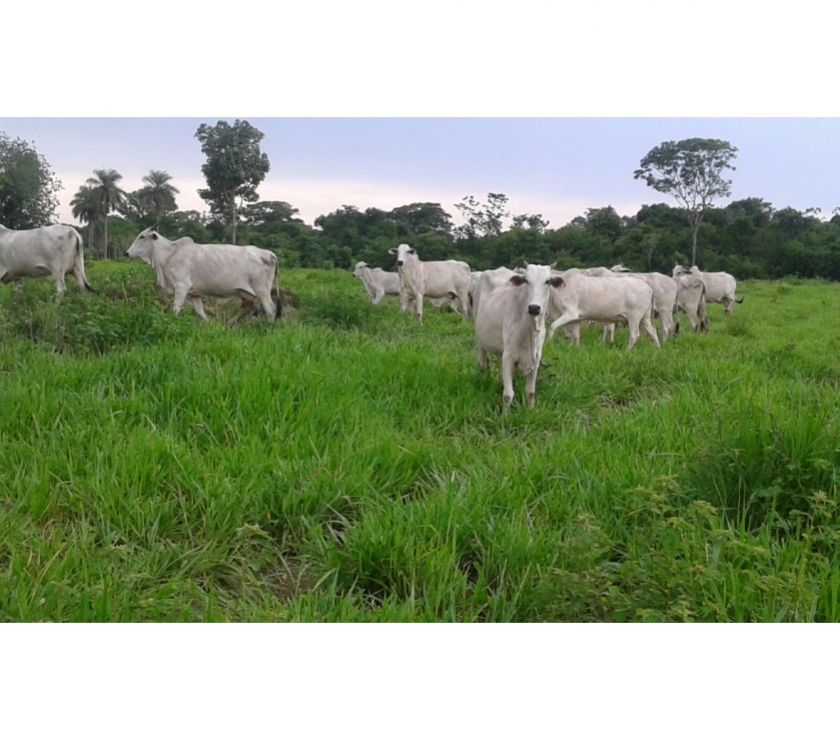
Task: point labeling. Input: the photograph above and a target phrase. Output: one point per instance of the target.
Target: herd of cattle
(513, 311)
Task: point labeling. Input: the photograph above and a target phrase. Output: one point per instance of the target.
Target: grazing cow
(419, 279)
(378, 282)
(187, 271)
(606, 299)
(49, 250)
(720, 286)
(510, 322)
(691, 298)
(664, 296)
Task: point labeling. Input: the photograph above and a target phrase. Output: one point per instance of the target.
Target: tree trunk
(105, 229)
(233, 220)
(91, 246)
(696, 219)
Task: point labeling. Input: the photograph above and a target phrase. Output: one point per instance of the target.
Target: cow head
(679, 270)
(538, 281)
(402, 252)
(143, 245)
(357, 271)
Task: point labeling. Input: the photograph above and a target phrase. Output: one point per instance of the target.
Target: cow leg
(572, 333)
(608, 334)
(668, 329)
(633, 326)
(181, 293)
(507, 379)
(531, 387)
(650, 329)
(268, 304)
(418, 300)
(60, 286)
(483, 360)
(730, 305)
(377, 296)
(198, 307)
(566, 318)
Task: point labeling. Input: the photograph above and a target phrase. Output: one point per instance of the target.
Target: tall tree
(158, 195)
(109, 197)
(691, 171)
(85, 205)
(234, 168)
(28, 186)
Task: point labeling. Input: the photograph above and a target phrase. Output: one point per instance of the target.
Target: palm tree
(85, 205)
(108, 195)
(159, 195)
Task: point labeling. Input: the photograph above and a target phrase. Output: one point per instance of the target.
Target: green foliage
(28, 186)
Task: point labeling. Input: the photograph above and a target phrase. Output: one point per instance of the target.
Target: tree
(28, 186)
(234, 168)
(482, 219)
(421, 217)
(136, 208)
(109, 197)
(691, 171)
(85, 205)
(158, 196)
(270, 213)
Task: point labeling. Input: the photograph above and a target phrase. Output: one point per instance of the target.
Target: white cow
(187, 271)
(378, 282)
(510, 322)
(606, 299)
(492, 279)
(49, 250)
(418, 279)
(720, 286)
(664, 296)
(691, 298)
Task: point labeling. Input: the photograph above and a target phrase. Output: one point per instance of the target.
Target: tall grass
(347, 463)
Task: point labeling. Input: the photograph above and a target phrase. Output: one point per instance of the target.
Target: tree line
(749, 237)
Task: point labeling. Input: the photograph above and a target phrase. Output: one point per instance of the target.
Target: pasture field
(349, 464)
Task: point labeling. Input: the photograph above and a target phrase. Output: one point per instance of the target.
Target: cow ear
(518, 280)
(411, 251)
(154, 235)
(557, 282)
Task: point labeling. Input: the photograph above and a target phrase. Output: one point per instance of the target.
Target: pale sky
(555, 166)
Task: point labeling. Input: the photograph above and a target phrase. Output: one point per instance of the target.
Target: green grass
(346, 463)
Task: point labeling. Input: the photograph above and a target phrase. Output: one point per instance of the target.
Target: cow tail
(701, 310)
(80, 261)
(739, 300)
(275, 291)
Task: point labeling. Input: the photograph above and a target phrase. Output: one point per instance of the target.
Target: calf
(510, 322)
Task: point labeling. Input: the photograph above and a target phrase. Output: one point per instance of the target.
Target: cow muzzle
(534, 309)
(399, 263)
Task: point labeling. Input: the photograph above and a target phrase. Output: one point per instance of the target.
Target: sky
(558, 167)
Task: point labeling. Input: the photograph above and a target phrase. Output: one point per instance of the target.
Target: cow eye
(411, 251)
